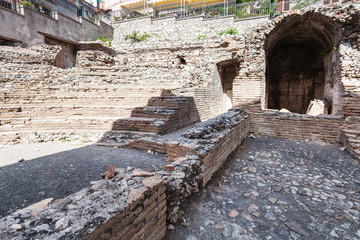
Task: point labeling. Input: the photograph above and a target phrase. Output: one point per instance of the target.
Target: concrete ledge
(10, 10)
(220, 17)
(190, 17)
(250, 18)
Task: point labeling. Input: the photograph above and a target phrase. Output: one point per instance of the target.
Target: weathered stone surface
(141, 173)
(136, 194)
(297, 229)
(38, 207)
(233, 213)
(272, 200)
(152, 181)
(307, 216)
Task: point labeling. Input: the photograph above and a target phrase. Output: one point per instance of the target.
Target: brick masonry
(143, 200)
(132, 205)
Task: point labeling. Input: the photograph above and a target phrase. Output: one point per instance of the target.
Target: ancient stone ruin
(296, 76)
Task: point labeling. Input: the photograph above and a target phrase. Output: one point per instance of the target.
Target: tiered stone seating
(88, 106)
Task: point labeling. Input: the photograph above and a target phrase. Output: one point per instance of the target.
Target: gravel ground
(277, 189)
(61, 174)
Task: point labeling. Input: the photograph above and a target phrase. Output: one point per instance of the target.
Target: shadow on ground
(61, 174)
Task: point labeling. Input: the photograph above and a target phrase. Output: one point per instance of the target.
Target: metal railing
(7, 4)
(230, 7)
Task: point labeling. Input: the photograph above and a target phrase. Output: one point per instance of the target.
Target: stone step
(42, 110)
(102, 68)
(169, 101)
(61, 122)
(355, 141)
(351, 131)
(141, 124)
(154, 112)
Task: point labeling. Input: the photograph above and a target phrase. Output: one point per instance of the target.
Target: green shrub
(303, 4)
(105, 40)
(230, 31)
(138, 37)
(28, 4)
(199, 37)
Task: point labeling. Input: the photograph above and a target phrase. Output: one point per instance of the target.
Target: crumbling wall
(132, 205)
(189, 68)
(212, 141)
(196, 155)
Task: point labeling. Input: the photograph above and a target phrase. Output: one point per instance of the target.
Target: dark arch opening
(228, 71)
(302, 64)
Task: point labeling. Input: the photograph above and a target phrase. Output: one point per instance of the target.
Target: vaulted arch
(302, 62)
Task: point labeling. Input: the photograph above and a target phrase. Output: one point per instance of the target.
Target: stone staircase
(350, 136)
(63, 108)
(162, 115)
(95, 96)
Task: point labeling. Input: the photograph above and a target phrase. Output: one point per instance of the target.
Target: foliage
(303, 4)
(96, 17)
(230, 31)
(199, 37)
(105, 40)
(116, 18)
(138, 37)
(28, 4)
(258, 9)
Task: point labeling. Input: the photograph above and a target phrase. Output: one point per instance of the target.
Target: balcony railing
(226, 8)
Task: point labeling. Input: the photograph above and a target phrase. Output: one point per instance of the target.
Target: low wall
(297, 126)
(132, 205)
(212, 141)
(223, 146)
(27, 27)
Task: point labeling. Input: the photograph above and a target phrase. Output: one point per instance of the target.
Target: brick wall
(297, 126)
(222, 148)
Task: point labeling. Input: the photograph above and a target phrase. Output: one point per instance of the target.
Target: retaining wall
(185, 29)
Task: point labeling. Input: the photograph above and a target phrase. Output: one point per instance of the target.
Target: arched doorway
(302, 64)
